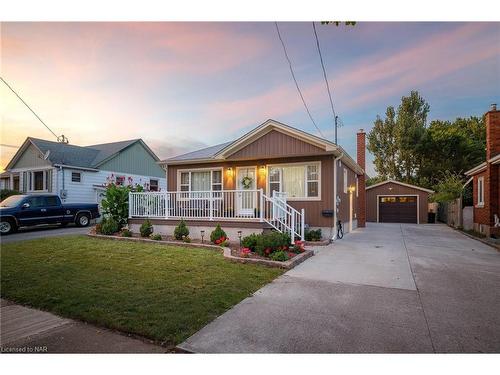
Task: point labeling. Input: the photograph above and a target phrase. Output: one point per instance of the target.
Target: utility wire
(21, 99)
(295, 80)
(324, 70)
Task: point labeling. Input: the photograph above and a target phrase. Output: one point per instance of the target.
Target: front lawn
(163, 292)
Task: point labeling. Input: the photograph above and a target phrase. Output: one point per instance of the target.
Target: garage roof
(400, 183)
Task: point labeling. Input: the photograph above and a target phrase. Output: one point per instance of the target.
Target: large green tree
(406, 149)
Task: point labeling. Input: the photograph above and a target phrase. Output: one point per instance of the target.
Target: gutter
(335, 167)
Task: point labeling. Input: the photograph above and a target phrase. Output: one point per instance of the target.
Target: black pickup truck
(28, 210)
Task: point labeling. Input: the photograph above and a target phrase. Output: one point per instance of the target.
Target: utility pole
(336, 118)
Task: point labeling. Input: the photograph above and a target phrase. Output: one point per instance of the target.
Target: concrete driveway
(382, 289)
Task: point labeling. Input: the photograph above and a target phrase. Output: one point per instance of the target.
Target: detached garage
(396, 202)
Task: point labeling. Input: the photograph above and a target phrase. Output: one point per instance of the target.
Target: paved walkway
(25, 330)
(384, 288)
(43, 232)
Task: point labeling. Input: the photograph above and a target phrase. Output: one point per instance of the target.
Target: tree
(450, 186)
(396, 140)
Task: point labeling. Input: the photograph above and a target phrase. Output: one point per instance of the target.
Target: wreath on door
(246, 182)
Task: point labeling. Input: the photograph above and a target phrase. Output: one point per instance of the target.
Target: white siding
(85, 192)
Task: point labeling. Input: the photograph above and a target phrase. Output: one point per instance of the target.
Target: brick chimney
(361, 159)
(492, 132)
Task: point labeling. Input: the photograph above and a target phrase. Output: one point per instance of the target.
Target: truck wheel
(7, 226)
(83, 220)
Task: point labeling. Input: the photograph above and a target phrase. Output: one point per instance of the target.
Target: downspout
(335, 167)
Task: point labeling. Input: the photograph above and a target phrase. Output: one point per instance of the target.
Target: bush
(156, 237)
(98, 228)
(187, 239)
(245, 252)
(312, 235)
(146, 228)
(218, 236)
(250, 241)
(298, 247)
(181, 230)
(109, 226)
(279, 256)
(270, 242)
(115, 203)
(5, 193)
(126, 233)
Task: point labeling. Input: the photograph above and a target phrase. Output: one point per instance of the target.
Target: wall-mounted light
(352, 189)
(229, 172)
(262, 169)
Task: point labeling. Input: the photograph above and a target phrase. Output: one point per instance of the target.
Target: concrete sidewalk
(26, 330)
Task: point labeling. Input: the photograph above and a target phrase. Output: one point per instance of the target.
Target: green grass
(162, 292)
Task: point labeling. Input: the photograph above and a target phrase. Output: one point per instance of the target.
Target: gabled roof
(399, 183)
(481, 167)
(77, 156)
(224, 150)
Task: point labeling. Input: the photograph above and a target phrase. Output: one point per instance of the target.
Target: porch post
(211, 205)
(302, 225)
(11, 181)
(261, 205)
(166, 204)
(293, 227)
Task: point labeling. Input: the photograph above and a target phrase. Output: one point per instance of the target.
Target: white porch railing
(217, 205)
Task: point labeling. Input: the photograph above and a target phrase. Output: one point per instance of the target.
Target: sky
(184, 86)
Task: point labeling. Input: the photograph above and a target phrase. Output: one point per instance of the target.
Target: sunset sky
(182, 86)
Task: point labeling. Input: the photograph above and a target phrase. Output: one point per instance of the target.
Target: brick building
(486, 180)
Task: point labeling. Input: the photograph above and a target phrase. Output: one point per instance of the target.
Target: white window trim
(318, 163)
(345, 180)
(31, 181)
(180, 171)
(480, 191)
(81, 177)
(157, 183)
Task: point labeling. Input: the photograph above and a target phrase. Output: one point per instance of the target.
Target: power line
(335, 117)
(295, 80)
(61, 138)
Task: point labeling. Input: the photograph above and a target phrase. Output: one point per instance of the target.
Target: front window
(296, 180)
(480, 191)
(38, 180)
(206, 180)
(153, 185)
(76, 177)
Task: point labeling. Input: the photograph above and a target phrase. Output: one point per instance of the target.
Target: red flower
(217, 242)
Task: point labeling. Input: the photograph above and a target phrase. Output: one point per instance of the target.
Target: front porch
(248, 211)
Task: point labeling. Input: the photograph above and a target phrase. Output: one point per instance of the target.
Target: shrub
(109, 226)
(126, 233)
(218, 236)
(250, 241)
(279, 256)
(312, 235)
(271, 242)
(115, 203)
(156, 237)
(187, 239)
(98, 228)
(5, 193)
(181, 230)
(146, 228)
(298, 247)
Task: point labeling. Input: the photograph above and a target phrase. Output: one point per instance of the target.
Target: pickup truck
(28, 210)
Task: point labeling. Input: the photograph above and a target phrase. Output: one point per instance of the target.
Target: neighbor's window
(76, 177)
(206, 180)
(480, 191)
(38, 180)
(296, 180)
(345, 180)
(120, 180)
(153, 185)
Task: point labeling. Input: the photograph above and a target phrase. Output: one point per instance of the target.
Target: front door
(246, 196)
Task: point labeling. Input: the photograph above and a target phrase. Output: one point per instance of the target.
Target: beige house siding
(31, 158)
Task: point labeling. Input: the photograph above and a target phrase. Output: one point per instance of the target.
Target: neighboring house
(273, 176)
(486, 180)
(79, 174)
(396, 202)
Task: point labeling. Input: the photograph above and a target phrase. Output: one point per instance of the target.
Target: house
(275, 176)
(486, 180)
(80, 173)
(397, 202)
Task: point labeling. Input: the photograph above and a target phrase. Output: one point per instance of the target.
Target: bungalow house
(80, 173)
(275, 176)
(486, 180)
